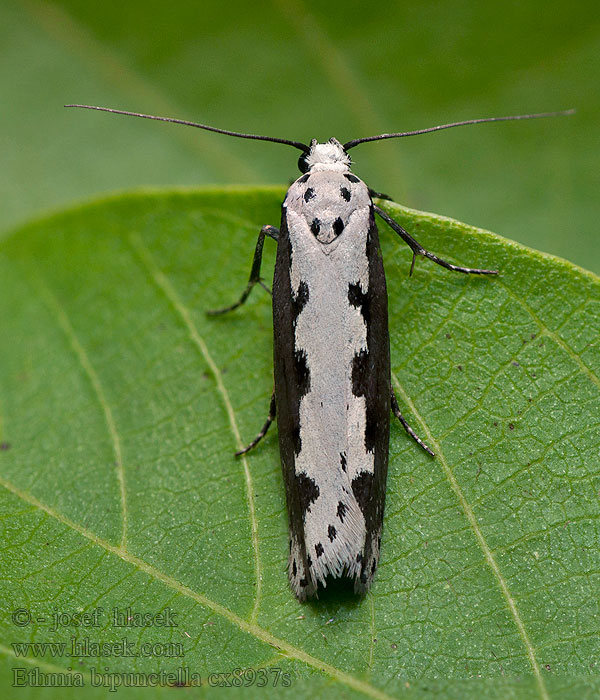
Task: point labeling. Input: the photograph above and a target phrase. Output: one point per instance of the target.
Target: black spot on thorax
(345, 192)
(351, 177)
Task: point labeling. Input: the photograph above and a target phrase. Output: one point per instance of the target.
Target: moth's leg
(418, 249)
(379, 195)
(264, 429)
(273, 233)
(409, 430)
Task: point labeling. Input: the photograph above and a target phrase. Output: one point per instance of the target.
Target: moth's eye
(302, 163)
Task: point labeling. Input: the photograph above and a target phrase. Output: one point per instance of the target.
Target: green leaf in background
(121, 405)
(301, 69)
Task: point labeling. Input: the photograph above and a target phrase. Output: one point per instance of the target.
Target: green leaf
(121, 404)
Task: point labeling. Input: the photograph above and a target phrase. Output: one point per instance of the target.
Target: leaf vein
(64, 323)
(249, 627)
(487, 552)
(553, 335)
(163, 283)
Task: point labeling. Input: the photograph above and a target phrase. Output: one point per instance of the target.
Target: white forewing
(328, 257)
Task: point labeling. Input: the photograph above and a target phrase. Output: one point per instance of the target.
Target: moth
(333, 394)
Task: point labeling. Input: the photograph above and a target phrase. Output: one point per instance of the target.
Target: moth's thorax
(327, 156)
(327, 200)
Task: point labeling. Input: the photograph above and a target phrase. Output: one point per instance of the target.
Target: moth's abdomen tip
(304, 593)
(362, 588)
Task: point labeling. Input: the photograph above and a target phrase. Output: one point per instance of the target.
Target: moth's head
(325, 156)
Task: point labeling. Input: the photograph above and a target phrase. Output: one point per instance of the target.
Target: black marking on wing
(362, 486)
(309, 194)
(296, 439)
(331, 533)
(360, 300)
(308, 491)
(315, 227)
(361, 365)
(371, 430)
(299, 301)
(302, 372)
(319, 549)
(287, 305)
(343, 461)
(345, 192)
(342, 509)
(304, 178)
(369, 488)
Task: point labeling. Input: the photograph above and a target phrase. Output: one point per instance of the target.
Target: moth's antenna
(355, 142)
(296, 144)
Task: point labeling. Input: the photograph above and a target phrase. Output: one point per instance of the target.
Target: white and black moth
(333, 394)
